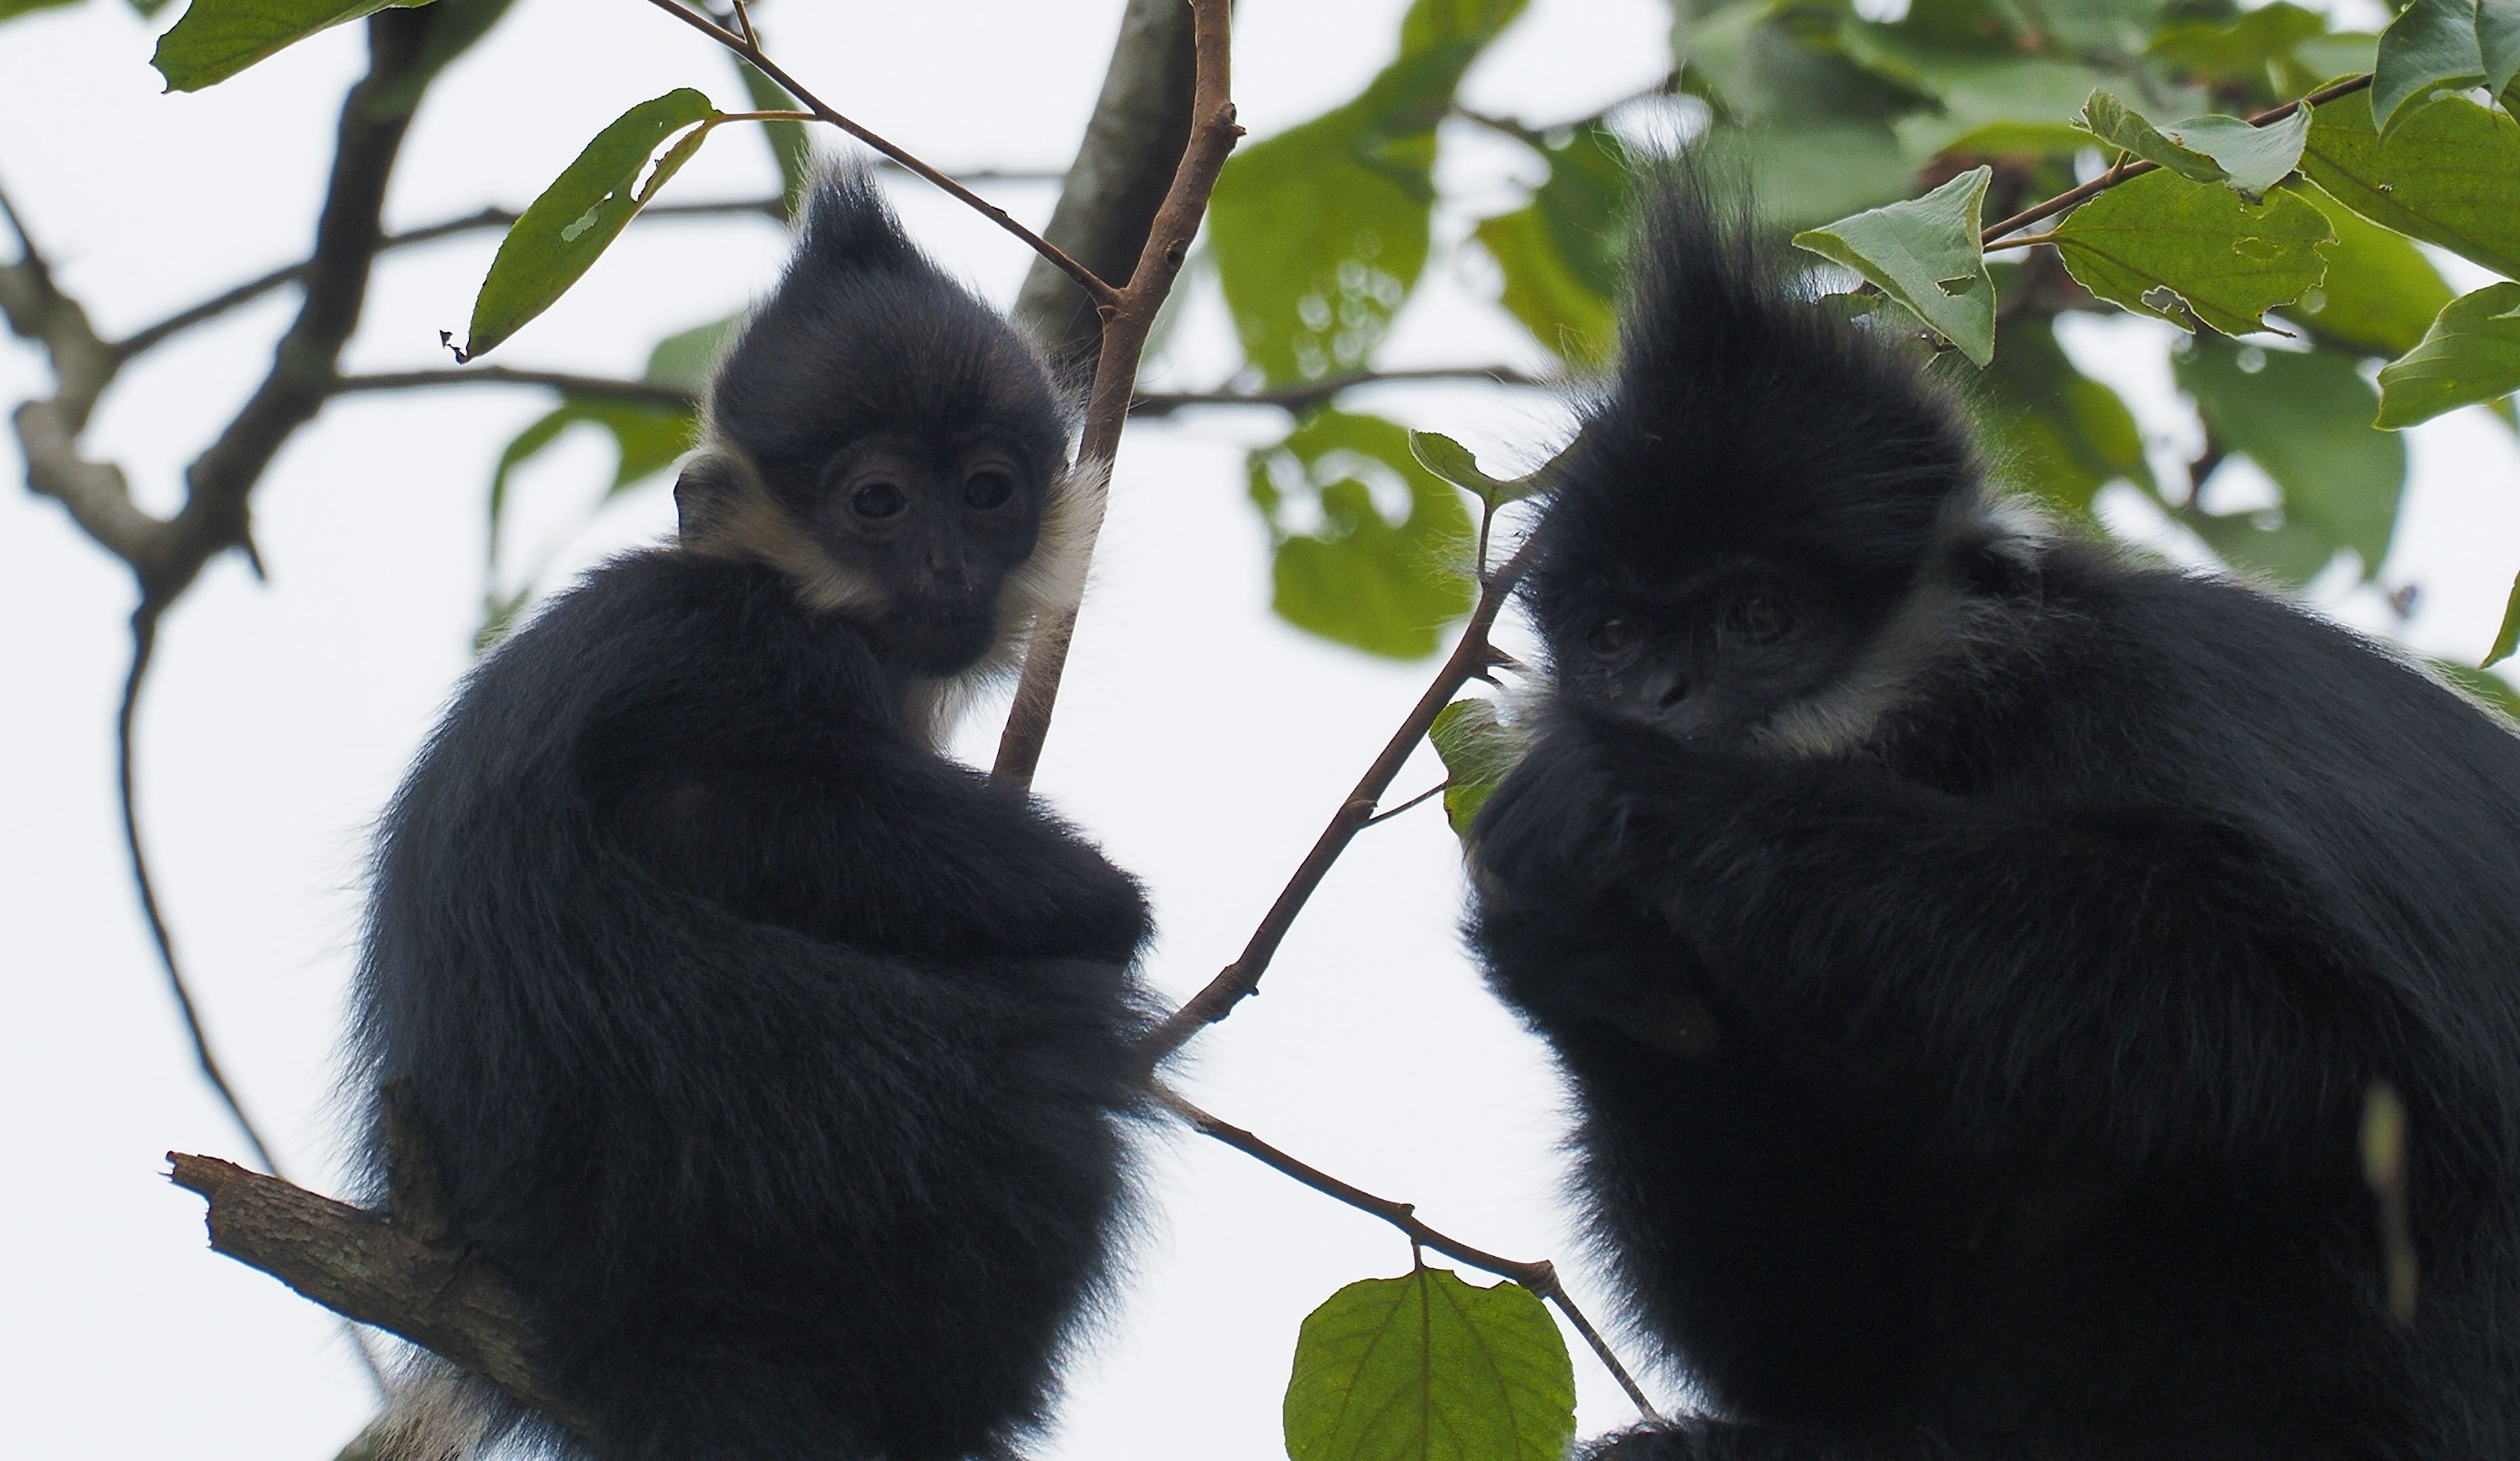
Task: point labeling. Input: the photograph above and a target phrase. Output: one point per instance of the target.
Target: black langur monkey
(1970, 951)
(782, 1064)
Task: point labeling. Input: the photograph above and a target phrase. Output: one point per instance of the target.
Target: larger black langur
(1971, 951)
(782, 1063)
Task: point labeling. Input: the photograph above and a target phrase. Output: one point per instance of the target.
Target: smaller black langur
(782, 1064)
(1971, 951)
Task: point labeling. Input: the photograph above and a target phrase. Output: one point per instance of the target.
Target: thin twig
(1086, 278)
(1420, 799)
(642, 392)
(1471, 656)
(1125, 326)
(1540, 1277)
(2116, 175)
(1302, 398)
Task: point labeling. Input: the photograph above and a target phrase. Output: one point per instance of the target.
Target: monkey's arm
(2147, 980)
(838, 827)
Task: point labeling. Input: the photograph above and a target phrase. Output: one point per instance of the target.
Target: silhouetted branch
(644, 392)
(1302, 398)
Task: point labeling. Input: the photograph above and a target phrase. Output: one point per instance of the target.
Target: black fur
(1984, 1081)
(782, 1062)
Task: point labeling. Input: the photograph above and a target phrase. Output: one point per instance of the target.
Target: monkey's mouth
(933, 637)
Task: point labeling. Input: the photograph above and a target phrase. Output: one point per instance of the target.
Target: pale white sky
(1201, 739)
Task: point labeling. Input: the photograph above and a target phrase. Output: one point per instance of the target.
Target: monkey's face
(930, 534)
(1703, 657)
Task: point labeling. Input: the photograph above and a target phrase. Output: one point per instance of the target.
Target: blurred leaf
(1478, 750)
(1383, 576)
(2304, 417)
(1811, 172)
(562, 233)
(460, 24)
(790, 147)
(648, 437)
(687, 358)
(2325, 59)
(1924, 253)
(2380, 294)
(1319, 232)
(147, 8)
(218, 38)
(2230, 260)
(2470, 355)
(1561, 254)
(2430, 45)
(1992, 100)
(10, 10)
(2497, 42)
(2063, 435)
(1427, 1367)
(2448, 174)
(2240, 51)
(2285, 553)
(1453, 461)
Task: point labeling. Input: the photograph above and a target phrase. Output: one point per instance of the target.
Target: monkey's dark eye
(1610, 636)
(1758, 619)
(988, 487)
(877, 500)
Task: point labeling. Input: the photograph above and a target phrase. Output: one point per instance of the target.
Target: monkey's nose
(1664, 689)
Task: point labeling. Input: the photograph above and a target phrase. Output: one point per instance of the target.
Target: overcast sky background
(1201, 740)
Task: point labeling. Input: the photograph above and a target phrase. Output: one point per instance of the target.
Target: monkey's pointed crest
(848, 224)
(1744, 417)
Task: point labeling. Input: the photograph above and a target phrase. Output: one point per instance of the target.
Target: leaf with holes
(2304, 417)
(218, 38)
(2448, 174)
(1478, 750)
(2470, 355)
(1924, 255)
(2161, 236)
(1450, 460)
(1371, 549)
(2430, 45)
(1429, 1368)
(564, 232)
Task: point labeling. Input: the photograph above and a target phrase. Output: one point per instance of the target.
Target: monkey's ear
(715, 482)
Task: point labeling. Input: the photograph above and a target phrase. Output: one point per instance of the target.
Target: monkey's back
(785, 1176)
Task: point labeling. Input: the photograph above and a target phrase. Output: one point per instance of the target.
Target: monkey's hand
(1553, 828)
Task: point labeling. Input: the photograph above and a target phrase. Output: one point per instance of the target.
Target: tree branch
(1472, 655)
(1125, 324)
(2038, 212)
(642, 392)
(1540, 1277)
(1303, 398)
(747, 48)
(366, 1266)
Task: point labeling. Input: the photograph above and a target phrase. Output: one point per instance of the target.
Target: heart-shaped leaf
(1924, 255)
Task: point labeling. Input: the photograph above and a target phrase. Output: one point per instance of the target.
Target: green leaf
(2205, 149)
(1453, 461)
(1561, 257)
(10, 10)
(2430, 45)
(2380, 294)
(1924, 255)
(2506, 639)
(687, 358)
(790, 147)
(2122, 127)
(2497, 42)
(1319, 232)
(2302, 417)
(147, 9)
(459, 25)
(2061, 435)
(1370, 547)
(2230, 260)
(2470, 355)
(1989, 99)
(648, 437)
(562, 233)
(2448, 174)
(1478, 750)
(2266, 543)
(2240, 51)
(2326, 59)
(1429, 1368)
(218, 38)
